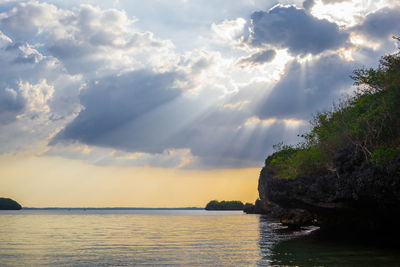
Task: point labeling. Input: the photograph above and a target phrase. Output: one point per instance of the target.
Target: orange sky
(59, 182)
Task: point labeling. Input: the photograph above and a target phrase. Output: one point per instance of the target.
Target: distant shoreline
(108, 208)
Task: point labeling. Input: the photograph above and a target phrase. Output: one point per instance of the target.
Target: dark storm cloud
(292, 28)
(112, 103)
(307, 88)
(381, 24)
(258, 58)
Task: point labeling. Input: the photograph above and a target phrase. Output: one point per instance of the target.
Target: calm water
(166, 237)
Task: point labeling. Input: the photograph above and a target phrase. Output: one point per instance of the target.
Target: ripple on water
(175, 238)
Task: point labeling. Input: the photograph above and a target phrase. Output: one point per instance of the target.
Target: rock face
(9, 204)
(256, 208)
(355, 196)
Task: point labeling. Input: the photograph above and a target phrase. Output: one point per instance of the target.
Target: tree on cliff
(9, 204)
(369, 120)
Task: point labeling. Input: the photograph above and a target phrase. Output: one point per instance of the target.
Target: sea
(168, 237)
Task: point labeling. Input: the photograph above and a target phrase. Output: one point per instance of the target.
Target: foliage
(9, 204)
(384, 154)
(224, 205)
(302, 160)
(370, 120)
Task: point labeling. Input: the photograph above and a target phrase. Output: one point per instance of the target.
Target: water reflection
(128, 238)
(284, 248)
(272, 234)
(268, 238)
(173, 238)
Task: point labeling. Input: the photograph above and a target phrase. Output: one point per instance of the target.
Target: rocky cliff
(356, 195)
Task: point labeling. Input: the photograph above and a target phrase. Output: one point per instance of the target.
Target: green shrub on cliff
(370, 120)
(384, 154)
(302, 160)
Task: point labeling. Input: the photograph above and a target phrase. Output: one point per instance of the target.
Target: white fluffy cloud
(86, 39)
(37, 96)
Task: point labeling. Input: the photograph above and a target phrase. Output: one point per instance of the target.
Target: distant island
(224, 205)
(9, 204)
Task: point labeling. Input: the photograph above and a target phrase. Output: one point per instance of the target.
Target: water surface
(79, 237)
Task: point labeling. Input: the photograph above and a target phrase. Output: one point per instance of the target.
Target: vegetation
(9, 204)
(369, 120)
(224, 205)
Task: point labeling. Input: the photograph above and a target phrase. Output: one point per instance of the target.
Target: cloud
(143, 112)
(59, 52)
(85, 39)
(245, 146)
(334, 1)
(292, 28)
(104, 91)
(11, 104)
(37, 96)
(381, 24)
(101, 156)
(114, 102)
(308, 4)
(17, 61)
(229, 30)
(306, 88)
(258, 58)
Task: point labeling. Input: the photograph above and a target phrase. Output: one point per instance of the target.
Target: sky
(127, 103)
